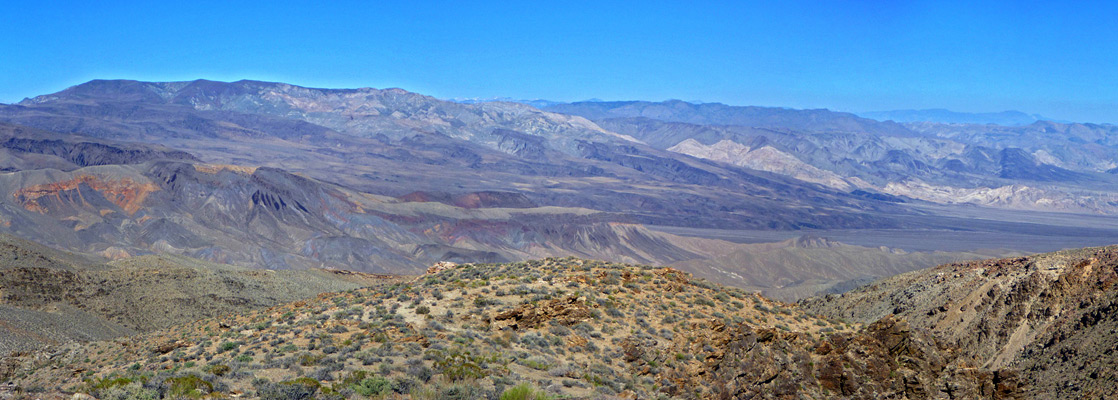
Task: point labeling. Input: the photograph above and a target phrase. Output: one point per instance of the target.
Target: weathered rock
(566, 311)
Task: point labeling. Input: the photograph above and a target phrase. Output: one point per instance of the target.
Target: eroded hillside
(53, 298)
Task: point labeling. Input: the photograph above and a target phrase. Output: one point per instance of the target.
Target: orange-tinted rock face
(126, 193)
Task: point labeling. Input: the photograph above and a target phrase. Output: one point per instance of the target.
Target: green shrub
(457, 364)
(218, 369)
(308, 359)
(189, 386)
(366, 383)
(373, 386)
(524, 391)
(131, 391)
(103, 387)
(483, 301)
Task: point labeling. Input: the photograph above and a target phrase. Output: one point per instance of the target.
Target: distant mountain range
(271, 175)
(939, 115)
(1043, 166)
(537, 103)
(936, 115)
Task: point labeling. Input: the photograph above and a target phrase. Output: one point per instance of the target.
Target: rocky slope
(811, 265)
(1050, 316)
(556, 327)
(54, 298)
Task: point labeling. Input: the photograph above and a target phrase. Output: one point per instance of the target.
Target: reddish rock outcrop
(125, 193)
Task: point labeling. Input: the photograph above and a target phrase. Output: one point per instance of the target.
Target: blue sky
(1048, 58)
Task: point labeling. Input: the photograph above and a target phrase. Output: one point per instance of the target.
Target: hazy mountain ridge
(366, 112)
(1062, 164)
(716, 114)
(943, 116)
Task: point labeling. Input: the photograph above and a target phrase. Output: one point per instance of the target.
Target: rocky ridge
(1048, 316)
(565, 327)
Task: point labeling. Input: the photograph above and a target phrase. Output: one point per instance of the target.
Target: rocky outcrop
(886, 359)
(1049, 316)
(565, 311)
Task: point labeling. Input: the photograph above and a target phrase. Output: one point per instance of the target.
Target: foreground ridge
(563, 327)
(1050, 316)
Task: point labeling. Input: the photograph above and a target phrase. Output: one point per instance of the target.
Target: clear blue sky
(1057, 60)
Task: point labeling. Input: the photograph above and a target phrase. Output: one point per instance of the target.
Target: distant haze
(1006, 118)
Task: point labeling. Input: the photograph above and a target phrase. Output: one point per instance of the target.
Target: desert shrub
(227, 346)
(421, 372)
(485, 301)
(405, 384)
(298, 389)
(562, 371)
(524, 391)
(457, 364)
(308, 359)
(559, 330)
(218, 369)
(367, 358)
(373, 386)
(537, 363)
(101, 387)
(188, 386)
(131, 391)
(584, 328)
(462, 392)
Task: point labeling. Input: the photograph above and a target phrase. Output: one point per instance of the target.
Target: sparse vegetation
(557, 322)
